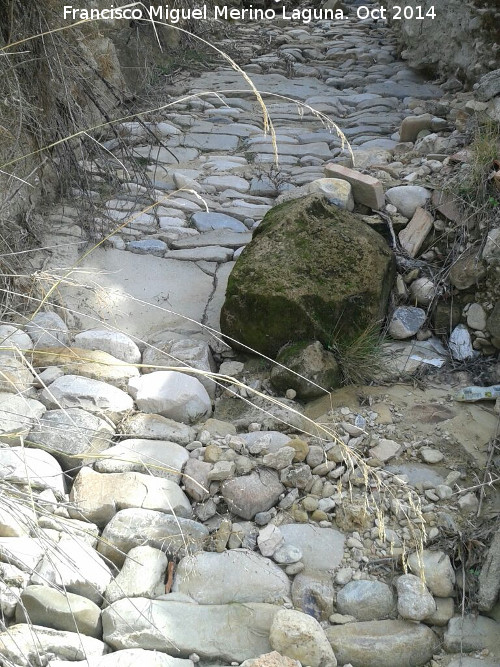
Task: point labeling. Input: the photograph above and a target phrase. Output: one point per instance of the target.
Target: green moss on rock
(311, 271)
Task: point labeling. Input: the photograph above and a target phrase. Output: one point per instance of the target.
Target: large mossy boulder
(311, 272)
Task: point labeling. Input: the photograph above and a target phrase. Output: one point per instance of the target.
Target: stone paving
(212, 169)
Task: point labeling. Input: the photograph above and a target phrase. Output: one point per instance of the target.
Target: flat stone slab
(236, 129)
(322, 548)
(223, 237)
(216, 578)
(232, 632)
(205, 222)
(130, 299)
(299, 89)
(206, 253)
(402, 89)
(211, 142)
(318, 149)
(174, 155)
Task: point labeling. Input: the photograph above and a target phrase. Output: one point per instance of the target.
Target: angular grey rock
(142, 575)
(156, 427)
(438, 571)
(407, 198)
(41, 605)
(415, 603)
(75, 567)
(302, 638)
(171, 350)
(116, 343)
(33, 467)
(280, 459)
(98, 497)
(180, 628)
(365, 189)
(47, 330)
(130, 528)
(18, 414)
(460, 343)
(322, 548)
(269, 539)
(384, 450)
(249, 494)
(238, 575)
(366, 600)
(406, 322)
(73, 436)
(74, 391)
(160, 458)
(27, 645)
(196, 482)
(221, 470)
(297, 476)
(274, 440)
(171, 394)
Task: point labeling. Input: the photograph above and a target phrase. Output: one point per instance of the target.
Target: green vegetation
(359, 359)
(480, 189)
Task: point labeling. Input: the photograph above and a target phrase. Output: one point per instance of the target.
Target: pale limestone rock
(171, 394)
(302, 638)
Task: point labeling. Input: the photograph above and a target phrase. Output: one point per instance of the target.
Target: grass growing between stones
(361, 359)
